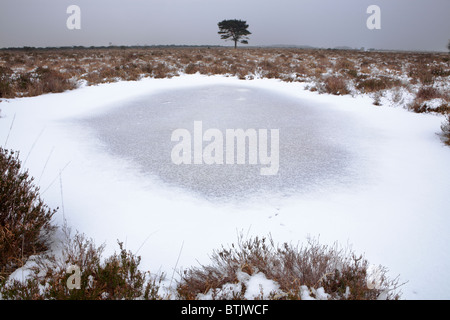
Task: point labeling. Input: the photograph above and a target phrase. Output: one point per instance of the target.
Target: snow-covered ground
(394, 208)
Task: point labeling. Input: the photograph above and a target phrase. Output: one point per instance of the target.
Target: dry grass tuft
(336, 85)
(341, 274)
(425, 94)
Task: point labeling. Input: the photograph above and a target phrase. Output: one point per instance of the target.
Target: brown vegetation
(117, 277)
(24, 218)
(34, 72)
(342, 274)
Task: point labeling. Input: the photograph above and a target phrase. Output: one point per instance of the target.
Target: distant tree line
(26, 48)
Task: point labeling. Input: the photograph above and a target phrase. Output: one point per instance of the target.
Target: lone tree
(235, 30)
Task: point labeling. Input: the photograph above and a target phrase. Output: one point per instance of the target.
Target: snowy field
(375, 178)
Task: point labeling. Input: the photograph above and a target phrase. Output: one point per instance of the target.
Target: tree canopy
(234, 30)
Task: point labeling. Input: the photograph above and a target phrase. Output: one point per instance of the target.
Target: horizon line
(280, 46)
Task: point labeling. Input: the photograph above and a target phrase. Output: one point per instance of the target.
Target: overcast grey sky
(405, 24)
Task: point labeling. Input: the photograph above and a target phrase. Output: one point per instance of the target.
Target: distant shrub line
(338, 72)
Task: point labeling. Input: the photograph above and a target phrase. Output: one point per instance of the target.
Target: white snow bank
(256, 286)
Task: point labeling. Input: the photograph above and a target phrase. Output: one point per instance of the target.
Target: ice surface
(314, 145)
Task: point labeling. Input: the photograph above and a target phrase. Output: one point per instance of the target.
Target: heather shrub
(420, 72)
(344, 63)
(5, 82)
(376, 84)
(47, 80)
(336, 85)
(191, 68)
(161, 71)
(24, 82)
(352, 73)
(427, 93)
(117, 277)
(419, 106)
(25, 221)
(424, 95)
(312, 268)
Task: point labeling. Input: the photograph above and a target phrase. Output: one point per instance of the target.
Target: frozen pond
(315, 145)
(374, 177)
